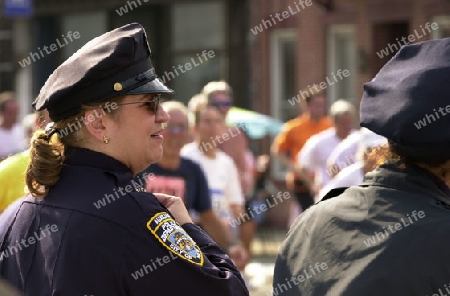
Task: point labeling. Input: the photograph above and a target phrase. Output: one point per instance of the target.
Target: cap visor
(153, 87)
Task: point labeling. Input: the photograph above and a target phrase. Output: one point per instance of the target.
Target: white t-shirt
(345, 152)
(222, 176)
(349, 176)
(315, 153)
(12, 141)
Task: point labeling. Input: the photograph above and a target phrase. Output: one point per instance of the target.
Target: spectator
(13, 169)
(179, 176)
(294, 135)
(29, 124)
(12, 134)
(353, 174)
(312, 159)
(220, 94)
(220, 170)
(248, 226)
(344, 154)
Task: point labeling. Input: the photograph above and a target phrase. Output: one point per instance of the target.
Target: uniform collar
(98, 160)
(438, 181)
(410, 178)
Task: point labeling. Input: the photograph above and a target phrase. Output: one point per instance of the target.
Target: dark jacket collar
(410, 178)
(98, 160)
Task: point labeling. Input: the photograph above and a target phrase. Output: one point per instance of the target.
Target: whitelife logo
(25, 243)
(392, 48)
(321, 86)
(423, 123)
(380, 235)
(167, 76)
(303, 276)
(53, 47)
(281, 16)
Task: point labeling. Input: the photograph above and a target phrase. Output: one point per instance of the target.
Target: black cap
(113, 64)
(406, 101)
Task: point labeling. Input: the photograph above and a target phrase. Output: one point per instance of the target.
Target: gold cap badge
(117, 86)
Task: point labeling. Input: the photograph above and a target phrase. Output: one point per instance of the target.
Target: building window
(198, 47)
(341, 55)
(443, 30)
(283, 82)
(88, 25)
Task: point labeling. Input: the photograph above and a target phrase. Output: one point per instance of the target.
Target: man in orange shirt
(293, 136)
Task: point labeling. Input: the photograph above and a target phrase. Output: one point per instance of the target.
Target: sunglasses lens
(223, 104)
(153, 105)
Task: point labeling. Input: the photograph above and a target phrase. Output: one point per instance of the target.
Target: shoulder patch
(174, 238)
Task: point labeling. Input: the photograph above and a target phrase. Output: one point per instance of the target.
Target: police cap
(409, 99)
(113, 64)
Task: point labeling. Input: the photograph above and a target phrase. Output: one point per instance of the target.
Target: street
(260, 270)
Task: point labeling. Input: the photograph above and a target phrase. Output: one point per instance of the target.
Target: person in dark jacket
(89, 228)
(390, 234)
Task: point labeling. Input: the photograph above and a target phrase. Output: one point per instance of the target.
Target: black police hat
(113, 64)
(408, 99)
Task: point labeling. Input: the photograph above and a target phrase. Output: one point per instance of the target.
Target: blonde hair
(47, 153)
(197, 103)
(341, 107)
(175, 105)
(214, 87)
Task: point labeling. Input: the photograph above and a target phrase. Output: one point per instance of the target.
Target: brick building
(309, 44)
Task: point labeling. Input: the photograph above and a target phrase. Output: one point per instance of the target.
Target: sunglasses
(176, 128)
(151, 105)
(222, 103)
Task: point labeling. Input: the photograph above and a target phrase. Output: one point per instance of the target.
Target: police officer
(88, 228)
(390, 234)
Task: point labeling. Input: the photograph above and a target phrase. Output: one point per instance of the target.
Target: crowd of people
(188, 177)
(218, 181)
(322, 152)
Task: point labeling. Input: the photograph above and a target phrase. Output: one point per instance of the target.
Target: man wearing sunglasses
(219, 94)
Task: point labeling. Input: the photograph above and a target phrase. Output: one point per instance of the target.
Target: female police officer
(391, 234)
(89, 229)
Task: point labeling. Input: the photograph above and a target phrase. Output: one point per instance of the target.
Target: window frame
(332, 56)
(276, 77)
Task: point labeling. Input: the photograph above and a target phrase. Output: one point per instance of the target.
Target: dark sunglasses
(151, 105)
(222, 103)
(176, 128)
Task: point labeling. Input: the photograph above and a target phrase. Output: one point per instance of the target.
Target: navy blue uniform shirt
(66, 244)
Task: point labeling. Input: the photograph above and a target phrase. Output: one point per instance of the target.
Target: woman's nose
(162, 116)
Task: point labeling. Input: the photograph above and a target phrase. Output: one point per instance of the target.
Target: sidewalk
(259, 271)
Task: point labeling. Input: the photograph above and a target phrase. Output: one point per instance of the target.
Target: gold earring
(105, 139)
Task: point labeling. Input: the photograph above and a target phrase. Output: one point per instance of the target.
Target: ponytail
(47, 153)
(46, 163)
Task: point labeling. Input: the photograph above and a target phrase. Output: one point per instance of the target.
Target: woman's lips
(158, 135)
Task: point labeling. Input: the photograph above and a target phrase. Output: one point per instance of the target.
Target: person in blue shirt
(179, 176)
(107, 127)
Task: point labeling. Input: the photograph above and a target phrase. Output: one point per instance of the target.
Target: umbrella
(255, 124)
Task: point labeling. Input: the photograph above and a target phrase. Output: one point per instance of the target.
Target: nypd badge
(174, 238)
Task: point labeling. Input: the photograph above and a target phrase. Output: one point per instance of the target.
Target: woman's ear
(95, 123)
